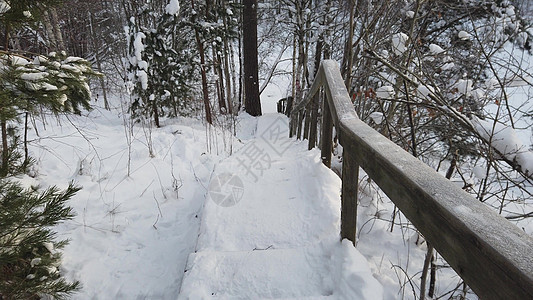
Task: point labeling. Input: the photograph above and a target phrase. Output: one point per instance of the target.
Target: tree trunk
(241, 65)
(156, 114)
(227, 71)
(5, 149)
(52, 42)
(252, 103)
(220, 82)
(205, 90)
(98, 61)
(348, 50)
(55, 27)
(26, 151)
(3, 123)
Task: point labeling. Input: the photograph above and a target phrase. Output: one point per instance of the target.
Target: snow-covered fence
(492, 255)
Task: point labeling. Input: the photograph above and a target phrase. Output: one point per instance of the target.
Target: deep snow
(280, 237)
(133, 233)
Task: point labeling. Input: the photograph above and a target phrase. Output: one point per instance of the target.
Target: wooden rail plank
(491, 254)
(317, 84)
(340, 104)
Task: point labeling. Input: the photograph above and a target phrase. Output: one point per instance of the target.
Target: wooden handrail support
(492, 255)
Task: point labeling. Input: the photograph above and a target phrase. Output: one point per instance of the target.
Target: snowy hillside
(132, 233)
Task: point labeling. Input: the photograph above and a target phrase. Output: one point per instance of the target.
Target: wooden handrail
(492, 255)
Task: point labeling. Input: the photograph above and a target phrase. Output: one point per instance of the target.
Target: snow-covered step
(270, 226)
(329, 270)
(269, 194)
(287, 207)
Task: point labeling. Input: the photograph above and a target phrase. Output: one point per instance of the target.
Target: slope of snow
(132, 234)
(135, 230)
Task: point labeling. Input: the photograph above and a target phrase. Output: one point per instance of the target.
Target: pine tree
(56, 82)
(161, 66)
(29, 257)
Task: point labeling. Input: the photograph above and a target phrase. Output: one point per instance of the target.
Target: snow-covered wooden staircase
(270, 226)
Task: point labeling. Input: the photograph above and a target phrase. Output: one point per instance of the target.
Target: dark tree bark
(98, 60)
(252, 104)
(155, 112)
(5, 149)
(3, 123)
(205, 90)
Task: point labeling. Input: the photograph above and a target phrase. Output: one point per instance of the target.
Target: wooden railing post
(291, 126)
(307, 122)
(326, 139)
(350, 182)
(486, 250)
(300, 121)
(314, 121)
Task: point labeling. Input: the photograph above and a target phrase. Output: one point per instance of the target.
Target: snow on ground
(132, 234)
(277, 87)
(270, 97)
(270, 226)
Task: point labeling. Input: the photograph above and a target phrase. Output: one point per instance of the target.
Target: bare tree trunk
(220, 82)
(241, 72)
(3, 123)
(305, 52)
(348, 50)
(5, 148)
(318, 54)
(300, 46)
(156, 114)
(57, 31)
(52, 42)
(227, 71)
(252, 103)
(205, 89)
(241, 63)
(293, 90)
(26, 152)
(98, 62)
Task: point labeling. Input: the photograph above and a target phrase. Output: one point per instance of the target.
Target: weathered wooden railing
(493, 256)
